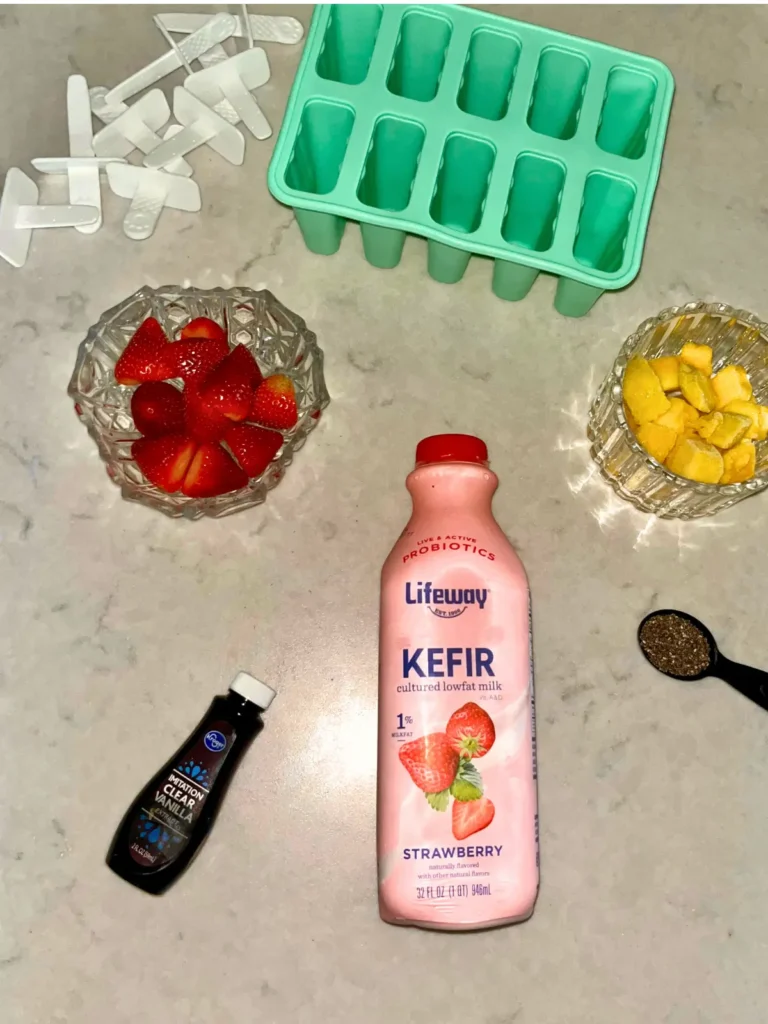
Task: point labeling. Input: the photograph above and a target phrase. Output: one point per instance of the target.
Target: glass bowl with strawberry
(198, 399)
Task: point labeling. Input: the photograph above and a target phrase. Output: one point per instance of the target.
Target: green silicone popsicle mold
(484, 135)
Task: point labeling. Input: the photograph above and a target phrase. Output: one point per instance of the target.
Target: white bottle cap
(253, 689)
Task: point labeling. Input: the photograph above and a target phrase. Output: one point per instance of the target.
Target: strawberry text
(449, 852)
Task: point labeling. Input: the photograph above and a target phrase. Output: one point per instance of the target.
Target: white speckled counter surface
(119, 625)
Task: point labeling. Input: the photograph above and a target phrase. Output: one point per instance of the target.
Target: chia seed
(674, 645)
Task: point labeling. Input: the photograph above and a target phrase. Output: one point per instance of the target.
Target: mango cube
(691, 415)
(666, 369)
(696, 460)
(739, 464)
(697, 356)
(763, 411)
(731, 384)
(643, 392)
(723, 429)
(657, 440)
(696, 388)
(677, 417)
(757, 430)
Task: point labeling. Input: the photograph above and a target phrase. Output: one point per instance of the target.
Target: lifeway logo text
(445, 602)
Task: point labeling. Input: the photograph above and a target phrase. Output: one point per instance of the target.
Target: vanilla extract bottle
(170, 819)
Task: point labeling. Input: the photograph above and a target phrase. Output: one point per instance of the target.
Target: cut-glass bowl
(279, 340)
(735, 336)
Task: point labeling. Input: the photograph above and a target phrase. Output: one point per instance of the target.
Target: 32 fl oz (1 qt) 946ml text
(450, 892)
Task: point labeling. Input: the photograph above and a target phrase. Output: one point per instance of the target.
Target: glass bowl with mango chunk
(679, 425)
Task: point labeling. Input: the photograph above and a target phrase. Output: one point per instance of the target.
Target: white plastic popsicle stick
(213, 30)
(149, 191)
(172, 43)
(138, 128)
(245, 21)
(79, 117)
(20, 216)
(246, 107)
(201, 125)
(99, 107)
(65, 164)
(81, 166)
(265, 28)
(64, 216)
(230, 82)
(215, 55)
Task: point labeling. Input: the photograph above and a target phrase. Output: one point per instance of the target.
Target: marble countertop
(119, 625)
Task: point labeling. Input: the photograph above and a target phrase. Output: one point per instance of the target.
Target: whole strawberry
(470, 731)
(157, 408)
(432, 763)
(274, 403)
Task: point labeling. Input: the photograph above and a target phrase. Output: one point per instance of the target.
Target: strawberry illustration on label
(468, 784)
(471, 817)
(432, 764)
(471, 731)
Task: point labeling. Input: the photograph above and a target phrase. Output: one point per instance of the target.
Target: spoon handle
(752, 682)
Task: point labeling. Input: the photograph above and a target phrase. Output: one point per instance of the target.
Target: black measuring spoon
(680, 646)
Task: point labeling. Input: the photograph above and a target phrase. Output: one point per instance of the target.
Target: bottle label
(457, 821)
(163, 825)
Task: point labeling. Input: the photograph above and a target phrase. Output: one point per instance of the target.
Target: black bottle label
(166, 818)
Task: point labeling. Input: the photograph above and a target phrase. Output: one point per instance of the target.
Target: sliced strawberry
(274, 404)
(228, 389)
(198, 421)
(211, 472)
(253, 447)
(471, 817)
(195, 358)
(203, 327)
(157, 408)
(147, 356)
(164, 460)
